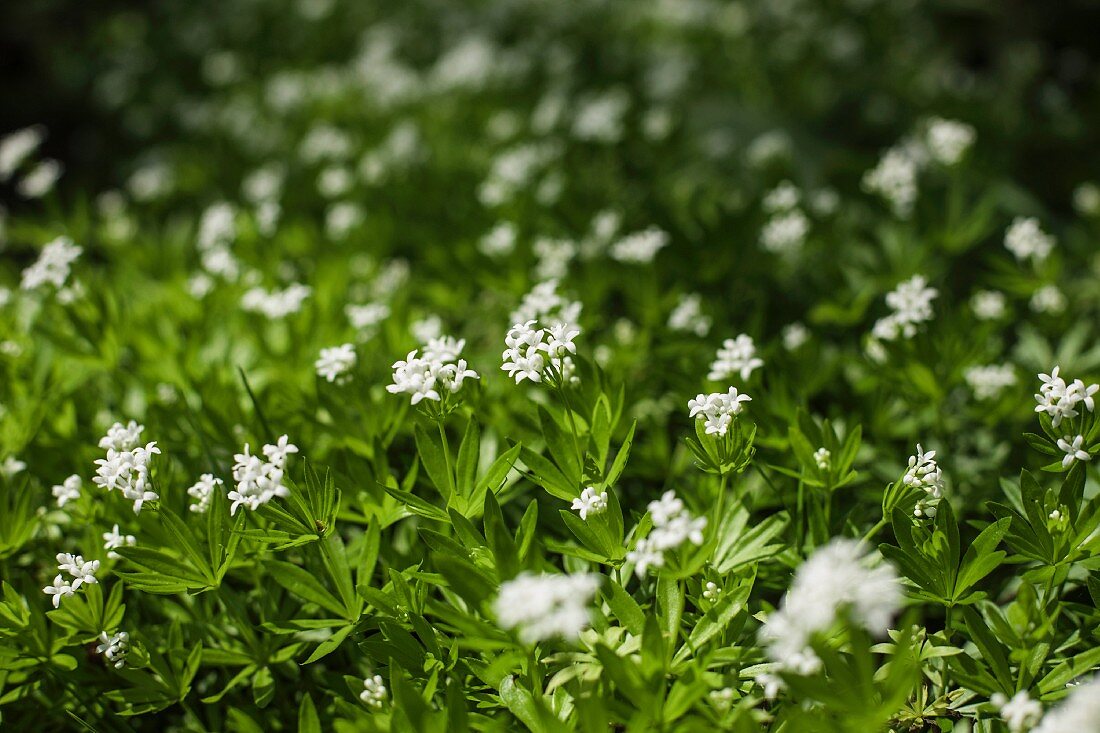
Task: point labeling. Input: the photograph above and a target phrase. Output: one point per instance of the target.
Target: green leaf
(304, 584)
(468, 454)
(308, 722)
(434, 461)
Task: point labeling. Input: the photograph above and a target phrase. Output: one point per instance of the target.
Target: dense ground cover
(656, 366)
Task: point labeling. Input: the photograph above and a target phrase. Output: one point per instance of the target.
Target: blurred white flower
(895, 179)
(785, 232)
(911, 302)
(688, 316)
(673, 525)
(546, 606)
(640, 247)
(53, 264)
(335, 362)
(1048, 299)
(1025, 239)
(67, 491)
(948, 140)
(374, 691)
(988, 305)
(40, 180)
(114, 539)
(16, 147)
(794, 336)
(989, 381)
(203, 491)
(736, 356)
(1077, 713)
(498, 241)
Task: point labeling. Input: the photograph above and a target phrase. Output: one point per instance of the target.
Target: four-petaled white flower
(114, 647)
(717, 409)
(67, 491)
(436, 373)
(115, 539)
(736, 356)
(259, 481)
(203, 491)
(590, 502)
(1060, 400)
(335, 362)
(1074, 450)
(60, 589)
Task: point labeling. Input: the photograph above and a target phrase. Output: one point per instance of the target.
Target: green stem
(447, 458)
(874, 530)
(572, 425)
(721, 499)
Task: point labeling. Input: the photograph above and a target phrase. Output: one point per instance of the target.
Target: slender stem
(721, 499)
(572, 425)
(447, 458)
(874, 530)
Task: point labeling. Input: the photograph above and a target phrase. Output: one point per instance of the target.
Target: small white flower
(590, 502)
(41, 179)
(275, 304)
(794, 336)
(203, 491)
(53, 265)
(711, 591)
(12, 466)
(114, 647)
(259, 481)
(673, 525)
(785, 232)
(989, 381)
(335, 362)
(1048, 299)
(122, 437)
(822, 458)
(895, 179)
(115, 539)
(1020, 712)
(60, 589)
(534, 353)
(1074, 450)
(499, 241)
(546, 606)
(688, 316)
(717, 409)
(641, 247)
(67, 491)
(365, 318)
(988, 305)
(948, 140)
(911, 302)
(1025, 239)
(736, 356)
(924, 473)
(16, 147)
(1060, 400)
(374, 691)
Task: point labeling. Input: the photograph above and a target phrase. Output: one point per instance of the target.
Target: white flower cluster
(711, 591)
(1074, 448)
(374, 691)
(590, 503)
(126, 466)
(260, 481)
(115, 647)
(640, 248)
(514, 170)
(335, 362)
(673, 525)
(948, 140)
(736, 356)
(823, 458)
(785, 232)
(688, 316)
(546, 606)
(911, 302)
(1060, 400)
(1048, 299)
(537, 353)
(924, 473)
(1079, 712)
(1026, 239)
(795, 335)
(838, 576)
(53, 265)
(989, 381)
(545, 304)
(895, 179)
(1019, 712)
(436, 373)
(988, 305)
(717, 409)
(81, 571)
(554, 256)
(367, 317)
(115, 539)
(275, 304)
(67, 491)
(17, 146)
(202, 491)
(498, 241)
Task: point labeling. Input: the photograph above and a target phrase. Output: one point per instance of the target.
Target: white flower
(794, 336)
(546, 606)
(1020, 712)
(839, 575)
(115, 539)
(599, 117)
(58, 590)
(335, 362)
(688, 316)
(16, 147)
(203, 491)
(711, 591)
(673, 525)
(11, 466)
(895, 179)
(924, 473)
(717, 409)
(276, 304)
(1077, 713)
(53, 264)
(128, 472)
(911, 302)
(67, 491)
(822, 458)
(948, 140)
(783, 197)
(1048, 299)
(82, 571)
(1060, 400)
(989, 381)
(1025, 239)
(641, 247)
(1086, 199)
(40, 180)
(374, 691)
(1074, 450)
(114, 647)
(988, 305)
(498, 241)
(259, 481)
(736, 356)
(785, 232)
(590, 502)
(545, 304)
(122, 437)
(535, 353)
(364, 318)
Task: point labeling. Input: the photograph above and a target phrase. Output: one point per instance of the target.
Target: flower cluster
(640, 247)
(717, 409)
(1025, 239)
(785, 232)
(711, 591)
(989, 381)
(1019, 712)
(838, 576)
(1079, 711)
(126, 466)
(435, 374)
(546, 606)
(53, 265)
(81, 571)
(540, 353)
(673, 525)
(544, 303)
(115, 647)
(688, 316)
(374, 691)
(335, 362)
(202, 491)
(924, 473)
(948, 140)
(114, 539)
(1059, 400)
(895, 179)
(67, 491)
(988, 305)
(275, 304)
(911, 302)
(260, 481)
(736, 356)
(589, 502)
